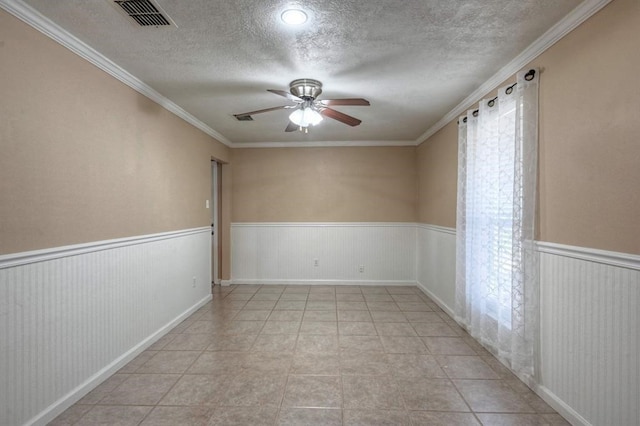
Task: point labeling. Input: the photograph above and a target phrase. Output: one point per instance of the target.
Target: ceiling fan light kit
(294, 17)
(308, 111)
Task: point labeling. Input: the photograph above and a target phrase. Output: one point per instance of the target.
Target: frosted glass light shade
(305, 117)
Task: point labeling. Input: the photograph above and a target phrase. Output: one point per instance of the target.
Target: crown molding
(35, 19)
(299, 144)
(577, 16)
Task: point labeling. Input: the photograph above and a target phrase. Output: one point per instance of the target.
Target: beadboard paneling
(590, 335)
(72, 316)
(436, 261)
(284, 253)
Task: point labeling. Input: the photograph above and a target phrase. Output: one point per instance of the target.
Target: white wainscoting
(72, 316)
(590, 324)
(590, 334)
(284, 253)
(436, 261)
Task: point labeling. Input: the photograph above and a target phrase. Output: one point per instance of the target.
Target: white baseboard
(437, 300)
(324, 282)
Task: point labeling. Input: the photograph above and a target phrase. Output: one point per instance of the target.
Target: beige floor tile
(275, 343)
(465, 367)
(286, 316)
(71, 415)
(349, 297)
(402, 289)
(364, 363)
(434, 329)
(317, 343)
(281, 327)
(254, 389)
(217, 362)
(141, 389)
(189, 342)
(252, 315)
(234, 343)
(414, 365)
(266, 296)
(403, 345)
(169, 362)
(492, 396)
(290, 305)
(395, 329)
(114, 415)
(323, 297)
(315, 363)
(320, 316)
(260, 304)
(313, 392)
(320, 305)
(196, 390)
(375, 392)
(378, 298)
(388, 316)
(268, 362)
(360, 343)
(351, 289)
(106, 387)
(510, 419)
(448, 346)
(414, 307)
(351, 306)
(383, 306)
(433, 418)
(361, 328)
(376, 417)
(423, 317)
(353, 355)
(354, 316)
(294, 296)
(318, 327)
(431, 395)
(183, 416)
(243, 327)
(290, 416)
(244, 416)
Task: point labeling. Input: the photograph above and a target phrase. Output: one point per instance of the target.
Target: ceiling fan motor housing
(305, 88)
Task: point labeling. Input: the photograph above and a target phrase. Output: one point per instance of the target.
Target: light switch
(206, 204)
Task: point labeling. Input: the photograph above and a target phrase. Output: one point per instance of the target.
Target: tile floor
(319, 355)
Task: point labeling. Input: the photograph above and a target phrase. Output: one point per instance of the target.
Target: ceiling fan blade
(244, 114)
(337, 115)
(353, 101)
(291, 127)
(286, 95)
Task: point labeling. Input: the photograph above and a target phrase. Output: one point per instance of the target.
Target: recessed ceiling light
(294, 17)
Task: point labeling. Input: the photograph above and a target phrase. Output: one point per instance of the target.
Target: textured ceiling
(413, 60)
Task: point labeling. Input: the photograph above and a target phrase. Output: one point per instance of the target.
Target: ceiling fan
(307, 110)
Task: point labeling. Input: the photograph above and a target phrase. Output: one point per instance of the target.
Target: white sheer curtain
(496, 276)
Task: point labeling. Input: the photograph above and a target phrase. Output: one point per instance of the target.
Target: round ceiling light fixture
(293, 17)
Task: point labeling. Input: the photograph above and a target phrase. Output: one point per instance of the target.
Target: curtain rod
(528, 76)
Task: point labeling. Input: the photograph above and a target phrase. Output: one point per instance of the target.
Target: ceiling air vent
(144, 12)
(244, 118)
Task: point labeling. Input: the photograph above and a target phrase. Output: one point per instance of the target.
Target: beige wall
(345, 184)
(589, 172)
(437, 177)
(84, 157)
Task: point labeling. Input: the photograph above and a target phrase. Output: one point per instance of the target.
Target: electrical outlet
(361, 268)
(315, 262)
(194, 282)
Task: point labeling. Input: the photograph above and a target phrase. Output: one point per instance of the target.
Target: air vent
(144, 12)
(244, 118)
